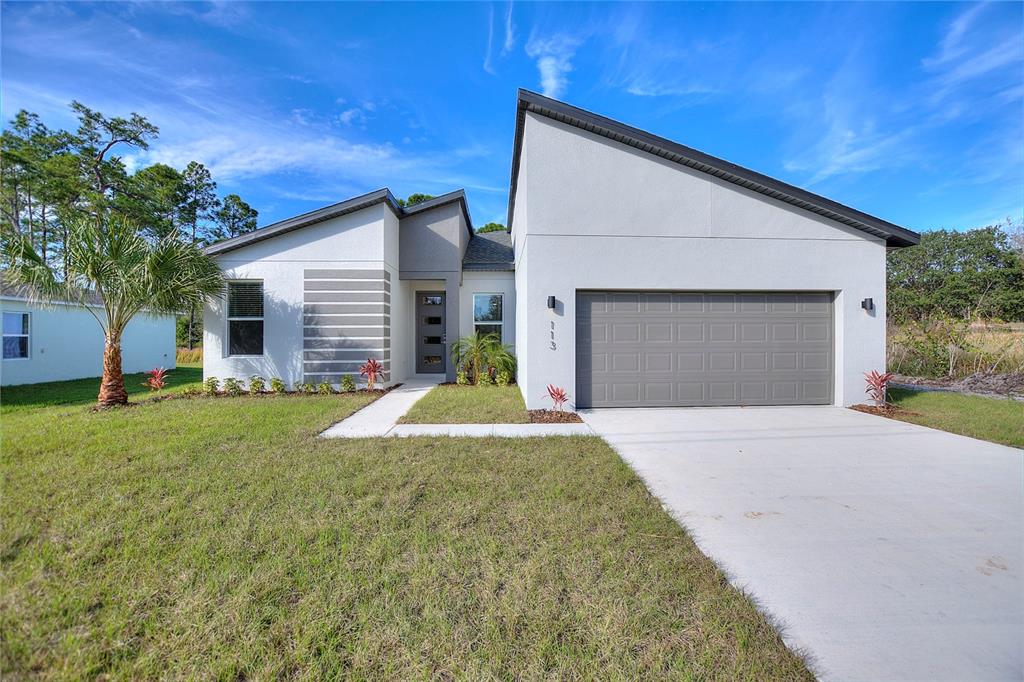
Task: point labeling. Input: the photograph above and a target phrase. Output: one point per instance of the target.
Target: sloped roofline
(894, 235)
(352, 205)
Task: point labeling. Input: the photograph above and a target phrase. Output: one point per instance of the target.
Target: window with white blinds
(245, 318)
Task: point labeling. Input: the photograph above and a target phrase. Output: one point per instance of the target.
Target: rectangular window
(488, 315)
(245, 318)
(15, 336)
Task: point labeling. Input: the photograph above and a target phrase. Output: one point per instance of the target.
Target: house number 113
(554, 346)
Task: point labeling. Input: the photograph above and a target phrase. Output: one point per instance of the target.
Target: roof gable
(894, 235)
(380, 196)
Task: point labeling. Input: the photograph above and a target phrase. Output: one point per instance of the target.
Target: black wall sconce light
(868, 304)
(551, 302)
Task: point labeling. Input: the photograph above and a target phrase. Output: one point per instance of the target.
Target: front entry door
(430, 338)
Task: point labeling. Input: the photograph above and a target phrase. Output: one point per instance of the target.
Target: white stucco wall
(353, 241)
(602, 215)
(482, 282)
(66, 342)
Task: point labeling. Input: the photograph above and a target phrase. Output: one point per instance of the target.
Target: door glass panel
(431, 339)
(431, 300)
(431, 319)
(431, 359)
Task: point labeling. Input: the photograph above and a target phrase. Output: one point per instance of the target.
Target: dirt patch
(981, 383)
(554, 417)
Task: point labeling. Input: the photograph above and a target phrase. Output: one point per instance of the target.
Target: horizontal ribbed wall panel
(347, 297)
(344, 308)
(346, 320)
(347, 274)
(350, 285)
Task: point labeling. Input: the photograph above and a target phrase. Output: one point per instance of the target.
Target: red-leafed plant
(558, 396)
(157, 379)
(372, 371)
(878, 386)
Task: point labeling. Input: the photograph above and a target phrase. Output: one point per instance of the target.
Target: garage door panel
(715, 348)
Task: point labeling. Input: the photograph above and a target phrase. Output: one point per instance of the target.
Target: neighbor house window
(487, 314)
(15, 336)
(245, 318)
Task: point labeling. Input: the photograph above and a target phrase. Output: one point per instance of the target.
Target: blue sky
(912, 112)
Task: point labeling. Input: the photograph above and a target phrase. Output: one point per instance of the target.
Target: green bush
(211, 386)
(232, 386)
(277, 386)
(461, 378)
(503, 378)
(485, 379)
(941, 347)
(324, 388)
(348, 384)
(256, 384)
(307, 388)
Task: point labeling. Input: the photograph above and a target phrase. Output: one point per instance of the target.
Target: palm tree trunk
(112, 389)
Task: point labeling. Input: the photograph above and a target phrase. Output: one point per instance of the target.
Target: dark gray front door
(652, 349)
(430, 338)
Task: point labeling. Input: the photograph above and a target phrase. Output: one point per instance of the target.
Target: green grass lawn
(450, 404)
(220, 539)
(84, 391)
(996, 419)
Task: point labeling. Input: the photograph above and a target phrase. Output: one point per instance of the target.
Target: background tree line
(972, 275)
(49, 178)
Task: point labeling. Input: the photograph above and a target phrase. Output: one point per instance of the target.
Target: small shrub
(461, 378)
(348, 384)
(503, 378)
(193, 392)
(232, 386)
(878, 386)
(211, 386)
(156, 380)
(324, 388)
(485, 379)
(558, 396)
(372, 370)
(277, 385)
(256, 384)
(307, 388)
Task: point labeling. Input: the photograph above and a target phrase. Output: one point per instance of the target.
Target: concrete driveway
(887, 551)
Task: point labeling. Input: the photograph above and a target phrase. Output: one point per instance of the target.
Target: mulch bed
(554, 417)
(887, 410)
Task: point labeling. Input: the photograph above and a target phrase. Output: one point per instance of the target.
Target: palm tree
(479, 353)
(126, 272)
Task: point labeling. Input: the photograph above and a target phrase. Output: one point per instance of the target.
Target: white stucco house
(64, 340)
(635, 272)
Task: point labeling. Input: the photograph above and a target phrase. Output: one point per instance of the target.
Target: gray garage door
(703, 348)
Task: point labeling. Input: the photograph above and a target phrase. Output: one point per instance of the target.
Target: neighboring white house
(61, 341)
(636, 272)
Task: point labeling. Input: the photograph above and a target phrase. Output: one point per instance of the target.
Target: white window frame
(500, 323)
(28, 336)
(228, 319)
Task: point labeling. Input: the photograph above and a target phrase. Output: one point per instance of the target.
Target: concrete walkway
(888, 551)
(380, 419)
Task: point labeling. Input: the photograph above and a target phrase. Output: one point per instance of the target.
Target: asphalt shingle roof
(489, 251)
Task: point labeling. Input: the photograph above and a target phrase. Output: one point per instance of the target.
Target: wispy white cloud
(352, 116)
(488, 67)
(554, 61)
(510, 31)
